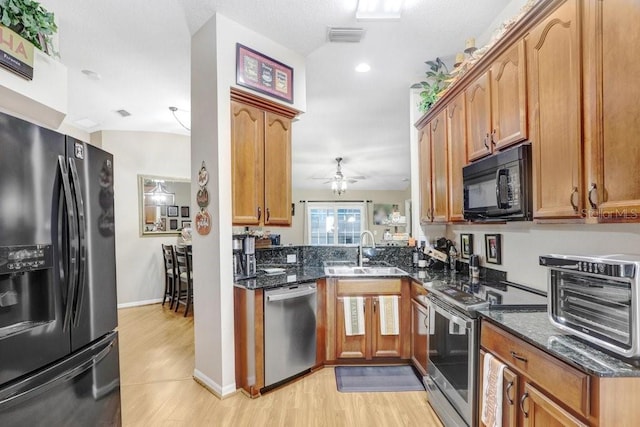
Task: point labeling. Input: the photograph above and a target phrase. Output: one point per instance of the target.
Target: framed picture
(173, 224)
(492, 248)
(172, 211)
(184, 211)
(466, 245)
(186, 224)
(263, 74)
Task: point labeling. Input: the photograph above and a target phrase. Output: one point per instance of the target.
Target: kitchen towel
(353, 316)
(389, 322)
(492, 379)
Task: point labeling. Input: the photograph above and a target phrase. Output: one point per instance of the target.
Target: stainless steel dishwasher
(289, 331)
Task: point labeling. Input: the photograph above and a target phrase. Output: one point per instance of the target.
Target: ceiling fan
(339, 181)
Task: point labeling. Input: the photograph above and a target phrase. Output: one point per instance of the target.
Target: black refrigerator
(58, 343)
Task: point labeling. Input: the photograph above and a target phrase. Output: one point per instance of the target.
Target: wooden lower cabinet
(419, 336)
(540, 390)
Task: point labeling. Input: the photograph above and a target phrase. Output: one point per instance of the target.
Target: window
(335, 224)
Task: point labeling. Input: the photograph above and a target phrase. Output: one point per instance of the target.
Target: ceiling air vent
(345, 34)
(123, 113)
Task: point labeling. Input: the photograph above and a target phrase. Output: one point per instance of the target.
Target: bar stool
(170, 275)
(185, 278)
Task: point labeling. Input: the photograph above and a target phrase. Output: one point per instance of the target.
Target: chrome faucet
(373, 242)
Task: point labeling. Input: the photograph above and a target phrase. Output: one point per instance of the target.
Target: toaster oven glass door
(598, 306)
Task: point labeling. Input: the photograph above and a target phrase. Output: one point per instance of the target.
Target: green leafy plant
(29, 19)
(436, 81)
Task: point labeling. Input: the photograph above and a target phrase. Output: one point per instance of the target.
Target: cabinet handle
(485, 142)
(374, 305)
(522, 399)
(508, 389)
(517, 356)
(268, 214)
(593, 204)
(493, 133)
(259, 213)
(574, 205)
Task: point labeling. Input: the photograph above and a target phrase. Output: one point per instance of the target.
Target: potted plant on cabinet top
(30, 20)
(437, 81)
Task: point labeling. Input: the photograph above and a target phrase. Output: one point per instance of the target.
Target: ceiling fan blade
(357, 177)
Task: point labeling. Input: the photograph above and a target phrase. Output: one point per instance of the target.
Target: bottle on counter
(453, 258)
(474, 268)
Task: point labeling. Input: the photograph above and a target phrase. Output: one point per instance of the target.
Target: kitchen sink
(364, 271)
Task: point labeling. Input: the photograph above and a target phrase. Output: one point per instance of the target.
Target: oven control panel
(596, 265)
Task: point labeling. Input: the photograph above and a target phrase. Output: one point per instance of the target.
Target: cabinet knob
(493, 133)
(522, 399)
(592, 189)
(507, 394)
(485, 142)
(574, 204)
(259, 213)
(268, 214)
(518, 357)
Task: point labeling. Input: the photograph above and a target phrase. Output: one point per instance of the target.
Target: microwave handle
(499, 188)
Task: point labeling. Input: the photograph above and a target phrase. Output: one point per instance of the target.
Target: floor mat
(377, 378)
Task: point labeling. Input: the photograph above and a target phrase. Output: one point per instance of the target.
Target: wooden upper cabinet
(555, 106)
(424, 142)
(457, 155)
(440, 176)
(247, 162)
(260, 160)
(612, 116)
(509, 97)
(277, 177)
(478, 103)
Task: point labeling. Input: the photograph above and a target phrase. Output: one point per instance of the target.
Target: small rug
(377, 378)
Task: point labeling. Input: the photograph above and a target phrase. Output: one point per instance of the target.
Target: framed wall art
(173, 224)
(493, 248)
(263, 74)
(184, 211)
(466, 245)
(172, 211)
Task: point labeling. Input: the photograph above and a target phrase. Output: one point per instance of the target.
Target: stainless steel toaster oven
(596, 298)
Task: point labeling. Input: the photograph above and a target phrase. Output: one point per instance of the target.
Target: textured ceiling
(361, 117)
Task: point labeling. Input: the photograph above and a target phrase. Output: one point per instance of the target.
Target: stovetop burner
(470, 296)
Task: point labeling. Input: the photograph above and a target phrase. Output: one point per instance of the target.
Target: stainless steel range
(452, 372)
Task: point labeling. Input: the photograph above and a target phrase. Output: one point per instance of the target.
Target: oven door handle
(456, 318)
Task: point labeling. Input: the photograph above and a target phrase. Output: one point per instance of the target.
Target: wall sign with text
(263, 74)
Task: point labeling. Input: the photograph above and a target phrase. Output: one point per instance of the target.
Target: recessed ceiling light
(363, 68)
(91, 74)
(379, 9)
(85, 123)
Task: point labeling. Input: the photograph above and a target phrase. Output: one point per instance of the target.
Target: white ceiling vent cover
(345, 34)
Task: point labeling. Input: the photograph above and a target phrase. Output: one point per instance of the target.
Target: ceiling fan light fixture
(339, 183)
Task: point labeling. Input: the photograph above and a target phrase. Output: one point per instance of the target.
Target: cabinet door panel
(384, 345)
(478, 100)
(613, 116)
(541, 411)
(457, 156)
(247, 163)
(419, 336)
(277, 161)
(425, 174)
(440, 175)
(508, 97)
(354, 346)
(554, 73)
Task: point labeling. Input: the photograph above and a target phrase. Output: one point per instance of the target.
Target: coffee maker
(244, 256)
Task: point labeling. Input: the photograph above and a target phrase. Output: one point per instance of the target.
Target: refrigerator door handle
(35, 390)
(72, 255)
(82, 231)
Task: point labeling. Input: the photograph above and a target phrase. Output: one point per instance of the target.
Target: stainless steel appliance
(289, 331)
(244, 256)
(452, 372)
(58, 347)
(598, 299)
(498, 187)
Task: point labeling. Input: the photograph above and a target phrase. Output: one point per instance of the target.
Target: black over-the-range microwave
(498, 187)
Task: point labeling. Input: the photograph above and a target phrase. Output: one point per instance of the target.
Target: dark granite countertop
(291, 275)
(536, 329)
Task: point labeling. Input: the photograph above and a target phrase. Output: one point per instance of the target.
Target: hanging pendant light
(160, 195)
(339, 183)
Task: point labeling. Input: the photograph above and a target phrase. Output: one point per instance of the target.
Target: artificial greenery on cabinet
(436, 81)
(30, 20)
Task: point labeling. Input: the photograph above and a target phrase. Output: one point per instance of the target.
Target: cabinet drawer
(369, 286)
(565, 383)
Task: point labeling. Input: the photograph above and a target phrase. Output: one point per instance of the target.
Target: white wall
(524, 242)
(139, 259)
(213, 51)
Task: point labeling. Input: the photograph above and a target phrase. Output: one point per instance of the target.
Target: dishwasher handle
(291, 293)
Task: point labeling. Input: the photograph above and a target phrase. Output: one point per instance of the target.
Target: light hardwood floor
(156, 366)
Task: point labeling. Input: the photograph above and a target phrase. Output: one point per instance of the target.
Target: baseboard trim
(139, 303)
(213, 387)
